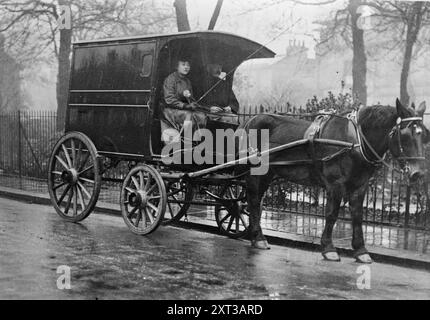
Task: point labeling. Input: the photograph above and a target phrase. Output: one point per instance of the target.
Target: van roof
(234, 39)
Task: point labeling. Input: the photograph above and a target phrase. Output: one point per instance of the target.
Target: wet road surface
(108, 262)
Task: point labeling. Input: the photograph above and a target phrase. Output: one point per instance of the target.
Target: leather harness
(314, 132)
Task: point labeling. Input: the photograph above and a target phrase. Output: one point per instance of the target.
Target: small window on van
(146, 66)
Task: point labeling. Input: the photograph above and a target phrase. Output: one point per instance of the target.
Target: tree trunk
(182, 15)
(215, 15)
(414, 26)
(63, 75)
(359, 60)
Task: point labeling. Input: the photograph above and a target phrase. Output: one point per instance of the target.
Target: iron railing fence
(27, 138)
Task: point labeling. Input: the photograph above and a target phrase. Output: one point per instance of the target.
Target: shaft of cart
(259, 155)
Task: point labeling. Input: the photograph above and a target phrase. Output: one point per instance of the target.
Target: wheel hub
(70, 176)
(138, 199)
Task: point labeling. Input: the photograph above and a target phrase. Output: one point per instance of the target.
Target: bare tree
(182, 15)
(34, 22)
(215, 14)
(400, 23)
(408, 18)
(359, 60)
(63, 66)
(343, 29)
(182, 20)
(414, 20)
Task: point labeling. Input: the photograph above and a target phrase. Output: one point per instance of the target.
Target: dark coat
(222, 95)
(173, 89)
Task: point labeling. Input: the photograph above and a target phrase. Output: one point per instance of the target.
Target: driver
(221, 98)
(178, 106)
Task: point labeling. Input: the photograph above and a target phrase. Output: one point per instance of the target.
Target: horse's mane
(377, 116)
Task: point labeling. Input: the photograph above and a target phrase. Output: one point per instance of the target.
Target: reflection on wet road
(107, 261)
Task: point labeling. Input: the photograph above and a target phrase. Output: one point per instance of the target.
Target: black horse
(377, 128)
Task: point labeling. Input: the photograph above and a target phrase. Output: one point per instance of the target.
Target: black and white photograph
(214, 157)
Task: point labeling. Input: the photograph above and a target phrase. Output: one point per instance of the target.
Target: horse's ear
(413, 105)
(402, 112)
(421, 109)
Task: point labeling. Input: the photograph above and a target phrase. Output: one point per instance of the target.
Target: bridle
(396, 130)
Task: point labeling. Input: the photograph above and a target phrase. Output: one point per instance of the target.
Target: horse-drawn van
(113, 115)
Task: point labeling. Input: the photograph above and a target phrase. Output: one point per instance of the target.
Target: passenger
(178, 105)
(221, 98)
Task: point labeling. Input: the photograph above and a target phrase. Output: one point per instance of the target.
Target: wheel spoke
(148, 183)
(83, 163)
(81, 198)
(130, 190)
(84, 190)
(170, 209)
(79, 156)
(72, 143)
(151, 190)
(132, 212)
(143, 215)
(225, 218)
(69, 202)
(66, 153)
(243, 220)
(75, 203)
(87, 169)
(59, 186)
(230, 223)
(136, 184)
(87, 180)
(152, 206)
(65, 191)
(142, 181)
(177, 201)
(237, 224)
(150, 216)
(230, 191)
(62, 162)
(58, 173)
(139, 217)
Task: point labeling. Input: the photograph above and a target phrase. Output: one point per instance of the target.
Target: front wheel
(74, 179)
(232, 216)
(143, 200)
(179, 197)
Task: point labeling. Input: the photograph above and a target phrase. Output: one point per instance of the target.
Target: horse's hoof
(331, 256)
(260, 244)
(364, 258)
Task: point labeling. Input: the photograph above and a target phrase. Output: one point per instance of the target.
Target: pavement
(107, 261)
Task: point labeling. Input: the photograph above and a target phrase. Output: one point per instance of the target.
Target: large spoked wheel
(232, 216)
(179, 197)
(73, 177)
(143, 200)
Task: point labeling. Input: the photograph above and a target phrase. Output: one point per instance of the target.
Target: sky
(251, 18)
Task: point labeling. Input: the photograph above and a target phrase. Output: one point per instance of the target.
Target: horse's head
(407, 140)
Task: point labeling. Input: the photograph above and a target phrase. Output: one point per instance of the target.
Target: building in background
(294, 77)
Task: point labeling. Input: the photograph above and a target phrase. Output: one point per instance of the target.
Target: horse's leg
(356, 206)
(334, 199)
(256, 187)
